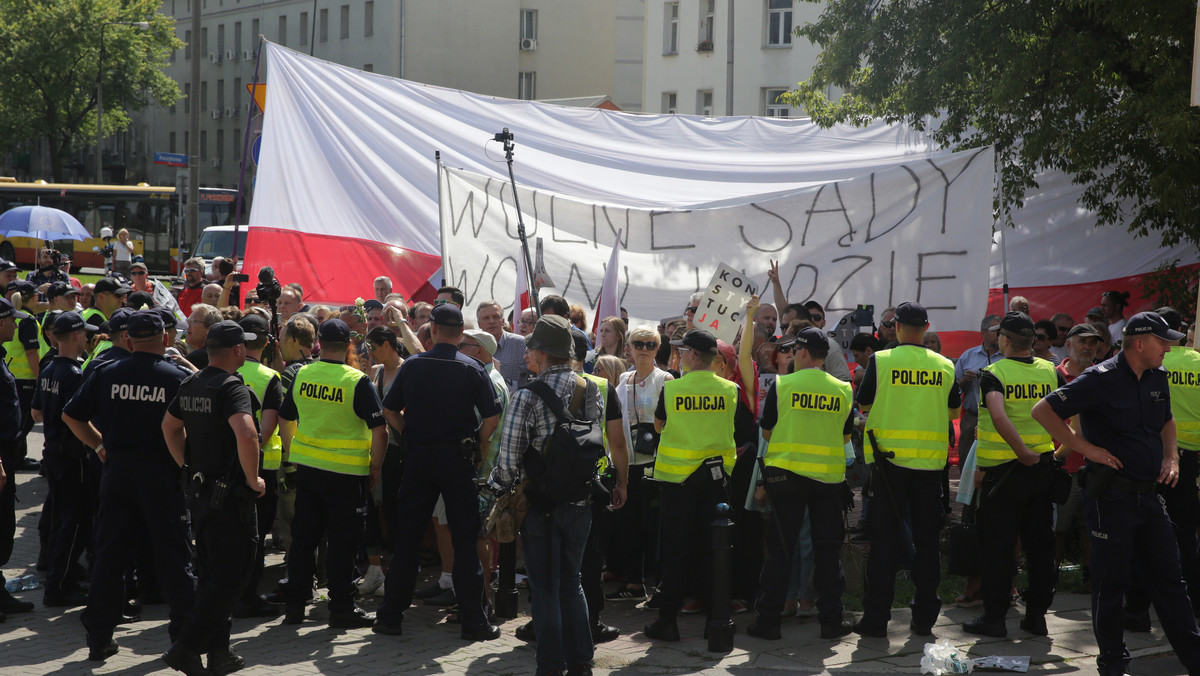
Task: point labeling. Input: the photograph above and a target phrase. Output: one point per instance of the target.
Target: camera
(504, 136)
(268, 288)
(864, 318)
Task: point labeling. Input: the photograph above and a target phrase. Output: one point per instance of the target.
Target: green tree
(1095, 88)
(50, 62)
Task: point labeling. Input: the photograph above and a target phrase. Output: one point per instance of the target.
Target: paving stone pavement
(51, 641)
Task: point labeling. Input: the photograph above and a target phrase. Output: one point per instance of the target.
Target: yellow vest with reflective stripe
(18, 363)
(329, 435)
(1183, 363)
(1024, 385)
(102, 345)
(602, 383)
(807, 439)
(909, 415)
(700, 410)
(258, 377)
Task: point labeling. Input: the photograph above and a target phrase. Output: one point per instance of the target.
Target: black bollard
(507, 595)
(719, 630)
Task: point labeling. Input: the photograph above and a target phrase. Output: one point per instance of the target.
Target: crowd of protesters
(382, 419)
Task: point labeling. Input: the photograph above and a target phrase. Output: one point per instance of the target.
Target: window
(237, 36)
(528, 24)
(368, 18)
(527, 86)
(283, 30)
(237, 144)
(304, 28)
(187, 97)
(708, 21)
(670, 102)
(203, 144)
(220, 143)
(369, 67)
(671, 28)
(254, 33)
(704, 102)
(221, 94)
(345, 28)
(203, 96)
(772, 106)
(171, 142)
(237, 93)
(187, 48)
(221, 39)
(779, 23)
(323, 26)
(187, 144)
(204, 41)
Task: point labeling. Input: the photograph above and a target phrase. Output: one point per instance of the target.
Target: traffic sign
(171, 159)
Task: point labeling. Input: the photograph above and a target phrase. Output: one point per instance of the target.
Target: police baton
(762, 469)
(1008, 470)
(882, 458)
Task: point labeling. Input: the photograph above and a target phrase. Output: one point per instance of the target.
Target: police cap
(144, 324)
(7, 310)
(911, 314)
(255, 323)
(58, 289)
(26, 287)
(699, 340)
(112, 285)
(372, 305)
(1150, 323)
(140, 299)
(1017, 324)
(1171, 316)
(811, 337)
(446, 315)
(170, 320)
(68, 322)
(226, 333)
(6, 265)
(119, 321)
(334, 331)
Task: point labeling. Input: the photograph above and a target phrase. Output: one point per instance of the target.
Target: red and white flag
(522, 302)
(609, 303)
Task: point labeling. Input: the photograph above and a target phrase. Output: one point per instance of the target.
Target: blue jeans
(554, 545)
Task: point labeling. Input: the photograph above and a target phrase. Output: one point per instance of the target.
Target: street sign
(171, 159)
(256, 148)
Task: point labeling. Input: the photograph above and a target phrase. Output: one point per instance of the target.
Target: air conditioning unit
(215, 163)
(231, 112)
(215, 113)
(214, 57)
(245, 107)
(230, 55)
(528, 44)
(247, 55)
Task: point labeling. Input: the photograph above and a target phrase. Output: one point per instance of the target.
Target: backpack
(565, 471)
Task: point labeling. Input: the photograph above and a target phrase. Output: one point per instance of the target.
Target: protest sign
(725, 297)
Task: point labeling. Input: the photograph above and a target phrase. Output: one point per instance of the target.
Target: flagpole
(245, 147)
(506, 137)
(437, 157)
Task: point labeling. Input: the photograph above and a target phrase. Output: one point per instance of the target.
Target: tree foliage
(50, 62)
(1095, 88)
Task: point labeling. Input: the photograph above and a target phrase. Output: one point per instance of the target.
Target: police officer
(109, 295)
(911, 395)
(1129, 440)
(268, 388)
(65, 460)
(210, 429)
(115, 347)
(24, 353)
(338, 447)
(118, 412)
(10, 437)
(1017, 457)
(433, 401)
(296, 340)
(807, 421)
(696, 453)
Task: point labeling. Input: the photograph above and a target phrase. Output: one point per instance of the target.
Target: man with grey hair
(202, 318)
(690, 310)
(211, 294)
(510, 347)
(383, 287)
(966, 373)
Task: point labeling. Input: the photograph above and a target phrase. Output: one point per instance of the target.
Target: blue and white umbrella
(41, 223)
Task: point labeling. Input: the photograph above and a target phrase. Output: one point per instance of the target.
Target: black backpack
(566, 471)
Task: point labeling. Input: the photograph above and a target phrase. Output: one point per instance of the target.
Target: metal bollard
(720, 628)
(507, 595)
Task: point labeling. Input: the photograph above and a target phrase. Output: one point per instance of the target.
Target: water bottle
(13, 585)
(30, 581)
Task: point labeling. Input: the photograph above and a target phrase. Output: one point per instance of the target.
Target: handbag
(965, 553)
(645, 437)
(508, 513)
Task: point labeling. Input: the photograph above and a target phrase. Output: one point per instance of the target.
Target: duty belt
(1120, 483)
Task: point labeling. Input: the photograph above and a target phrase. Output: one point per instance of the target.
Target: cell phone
(241, 278)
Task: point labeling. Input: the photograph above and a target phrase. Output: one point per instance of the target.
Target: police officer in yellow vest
(338, 447)
(24, 353)
(696, 453)
(1016, 455)
(806, 419)
(910, 394)
(268, 387)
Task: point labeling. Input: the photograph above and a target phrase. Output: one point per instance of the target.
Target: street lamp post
(142, 26)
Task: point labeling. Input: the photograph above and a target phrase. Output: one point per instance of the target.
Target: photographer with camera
(47, 270)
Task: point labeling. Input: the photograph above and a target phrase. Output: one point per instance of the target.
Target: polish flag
(609, 304)
(521, 302)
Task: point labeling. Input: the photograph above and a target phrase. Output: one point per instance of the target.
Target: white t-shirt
(1115, 330)
(123, 251)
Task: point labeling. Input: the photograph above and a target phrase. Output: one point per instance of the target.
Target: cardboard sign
(725, 298)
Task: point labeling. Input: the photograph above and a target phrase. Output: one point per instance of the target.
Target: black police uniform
(10, 436)
(251, 603)
(27, 334)
(439, 392)
(65, 461)
(222, 506)
(1127, 522)
(126, 400)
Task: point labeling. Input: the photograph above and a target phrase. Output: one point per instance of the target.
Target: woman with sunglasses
(1045, 333)
(641, 387)
(384, 349)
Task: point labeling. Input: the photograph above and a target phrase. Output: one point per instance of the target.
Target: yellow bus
(148, 212)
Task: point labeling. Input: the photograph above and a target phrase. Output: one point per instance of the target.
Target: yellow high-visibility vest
(329, 435)
(909, 415)
(1024, 385)
(700, 410)
(807, 439)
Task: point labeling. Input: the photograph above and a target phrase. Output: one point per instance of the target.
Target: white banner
(920, 231)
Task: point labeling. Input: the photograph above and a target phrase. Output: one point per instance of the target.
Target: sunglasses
(187, 270)
(643, 345)
(786, 349)
(889, 323)
(137, 273)
(816, 318)
(691, 308)
(1041, 336)
(464, 345)
(440, 301)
